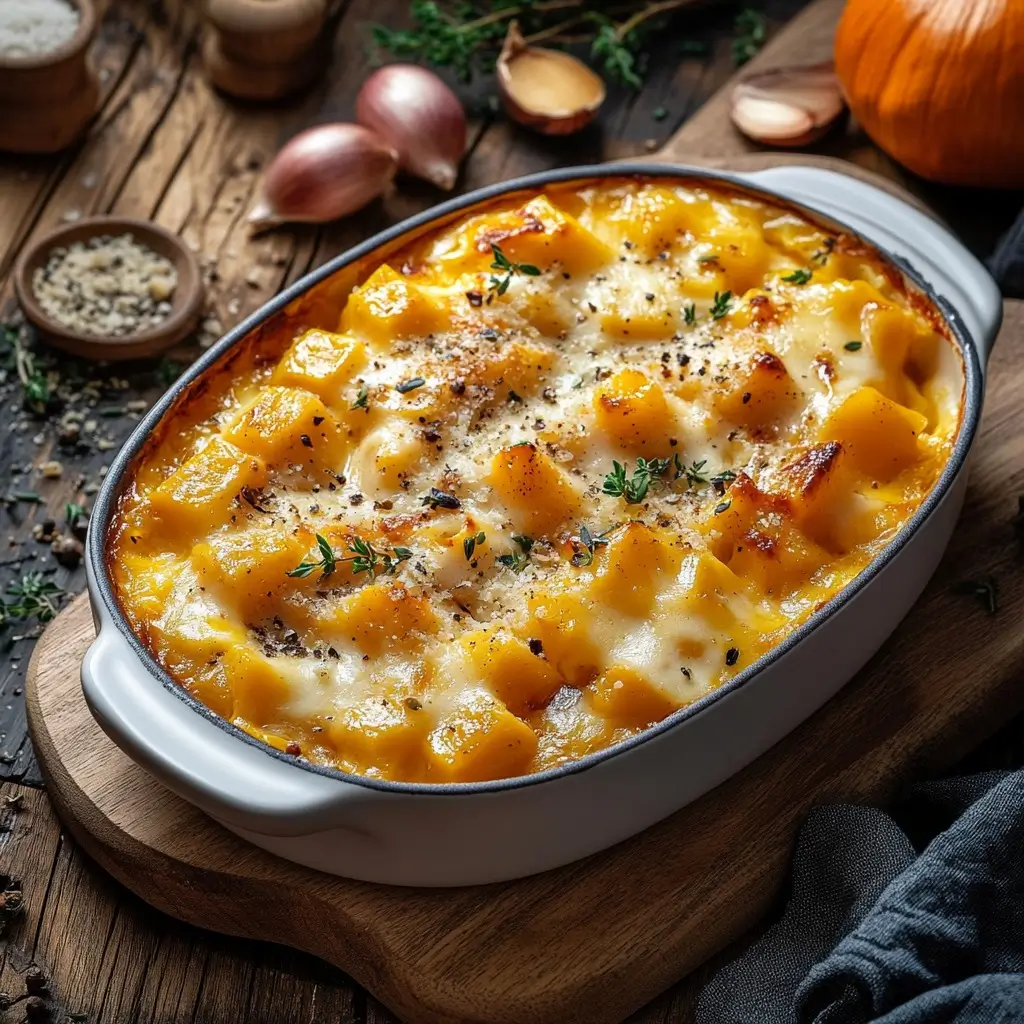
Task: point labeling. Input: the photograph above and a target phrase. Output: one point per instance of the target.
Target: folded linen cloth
(913, 917)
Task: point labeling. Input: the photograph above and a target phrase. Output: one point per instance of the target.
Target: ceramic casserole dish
(449, 833)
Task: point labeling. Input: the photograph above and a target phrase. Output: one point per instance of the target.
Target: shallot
(324, 173)
(419, 116)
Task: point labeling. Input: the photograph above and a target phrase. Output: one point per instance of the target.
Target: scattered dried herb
(799, 277)
(590, 542)
(517, 560)
(470, 544)
(985, 590)
(441, 499)
(721, 306)
(362, 400)
(410, 385)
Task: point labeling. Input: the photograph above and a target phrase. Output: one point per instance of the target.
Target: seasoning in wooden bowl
(107, 285)
(110, 288)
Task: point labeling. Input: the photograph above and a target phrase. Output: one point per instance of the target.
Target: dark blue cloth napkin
(910, 917)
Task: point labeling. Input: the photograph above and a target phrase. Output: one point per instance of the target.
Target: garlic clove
(322, 174)
(419, 116)
(550, 91)
(788, 106)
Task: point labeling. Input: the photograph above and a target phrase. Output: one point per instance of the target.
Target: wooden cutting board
(593, 941)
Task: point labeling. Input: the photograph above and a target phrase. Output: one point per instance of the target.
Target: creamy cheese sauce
(493, 518)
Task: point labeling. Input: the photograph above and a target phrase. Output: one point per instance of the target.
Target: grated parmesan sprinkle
(31, 28)
(108, 285)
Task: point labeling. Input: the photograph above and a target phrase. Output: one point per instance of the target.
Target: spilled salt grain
(31, 28)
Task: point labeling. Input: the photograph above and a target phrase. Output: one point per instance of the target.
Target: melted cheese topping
(490, 519)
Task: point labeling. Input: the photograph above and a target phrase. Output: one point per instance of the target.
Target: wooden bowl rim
(186, 302)
(79, 41)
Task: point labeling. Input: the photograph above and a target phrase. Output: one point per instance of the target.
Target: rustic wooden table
(165, 147)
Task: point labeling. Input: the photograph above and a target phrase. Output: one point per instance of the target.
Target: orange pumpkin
(939, 85)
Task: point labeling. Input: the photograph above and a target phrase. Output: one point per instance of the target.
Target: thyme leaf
(517, 560)
(634, 487)
(721, 306)
(503, 265)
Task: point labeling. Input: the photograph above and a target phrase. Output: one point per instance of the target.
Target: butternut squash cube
(633, 318)
(760, 397)
(479, 740)
(561, 622)
(825, 504)
(381, 616)
(249, 569)
(524, 681)
(879, 436)
(636, 565)
(633, 411)
(628, 698)
(199, 493)
(320, 362)
(541, 234)
(288, 426)
(261, 693)
(653, 217)
(146, 581)
(381, 732)
(709, 590)
(539, 496)
(389, 306)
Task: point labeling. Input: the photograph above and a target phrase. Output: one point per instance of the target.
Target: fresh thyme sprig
(694, 473)
(690, 314)
(364, 558)
(362, 400)
(752, 30)
(466, 35)
(33, 595)
(517, 560)
(633, 488)
(503, 265)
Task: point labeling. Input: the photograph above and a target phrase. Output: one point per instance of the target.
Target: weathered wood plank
(106, 954)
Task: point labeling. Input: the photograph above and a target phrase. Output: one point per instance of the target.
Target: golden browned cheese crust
(558, 469)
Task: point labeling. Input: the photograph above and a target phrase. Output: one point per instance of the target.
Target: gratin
(564, 465)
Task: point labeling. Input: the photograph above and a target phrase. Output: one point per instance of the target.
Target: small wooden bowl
(186, 302)
(48, 99)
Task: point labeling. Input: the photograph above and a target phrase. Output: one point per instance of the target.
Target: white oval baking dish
(433, 835)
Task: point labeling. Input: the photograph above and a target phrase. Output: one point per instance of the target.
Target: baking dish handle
(238, 783)
(956, 274)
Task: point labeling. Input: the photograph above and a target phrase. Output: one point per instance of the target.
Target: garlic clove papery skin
(788, 106)
(420, 117)
(547, 90)
(324, 173)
